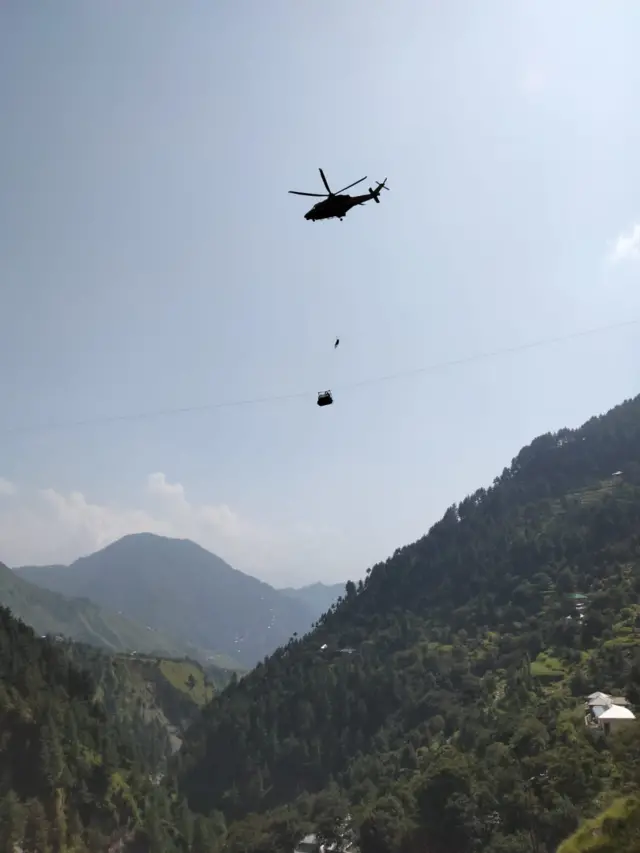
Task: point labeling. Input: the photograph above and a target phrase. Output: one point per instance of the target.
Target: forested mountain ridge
(79, 619)
(454, 722)
(78, 775)
(182, 590)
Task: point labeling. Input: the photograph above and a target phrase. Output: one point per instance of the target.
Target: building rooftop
(617, 712)
(599, 699)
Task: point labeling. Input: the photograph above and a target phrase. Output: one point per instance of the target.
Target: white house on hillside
(607, 712)
(614, 718)
(309, 844)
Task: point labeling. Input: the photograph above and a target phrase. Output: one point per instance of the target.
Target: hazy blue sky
(151, 258)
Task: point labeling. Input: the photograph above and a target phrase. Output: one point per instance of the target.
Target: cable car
(325, 398)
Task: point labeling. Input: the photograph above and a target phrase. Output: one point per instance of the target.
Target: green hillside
(441, 703)
(79, 619)
(616, 830)
(81, 770)
(168, 692)
(189, 678)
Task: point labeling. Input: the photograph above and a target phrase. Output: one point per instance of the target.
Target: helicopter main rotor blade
(324, 181)
(315, 195)
(352, 185)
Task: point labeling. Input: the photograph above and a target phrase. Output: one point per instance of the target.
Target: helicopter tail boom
(375, 193)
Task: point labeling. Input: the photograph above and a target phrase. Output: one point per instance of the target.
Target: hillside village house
(614, 718)
(609, 713)
(309, 844)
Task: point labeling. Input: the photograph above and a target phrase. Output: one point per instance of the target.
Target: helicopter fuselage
(336, 206)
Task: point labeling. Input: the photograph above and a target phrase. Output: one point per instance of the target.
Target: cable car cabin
(325, 398)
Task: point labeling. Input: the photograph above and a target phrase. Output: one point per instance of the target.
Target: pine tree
(185, 824)
(59, 828)
(12, 821)
(51, 755)
(74, 830)
(218, 826)
(36, 834)
(202, 837)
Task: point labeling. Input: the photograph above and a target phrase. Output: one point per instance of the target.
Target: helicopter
(338, 205)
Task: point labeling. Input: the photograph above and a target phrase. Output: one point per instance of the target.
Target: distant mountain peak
(318, 596)
(151, 539)
(177, 587)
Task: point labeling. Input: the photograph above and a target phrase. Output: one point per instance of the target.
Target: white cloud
(157, 484)
(627, 246)
(6, 487)
(214, 522)
(48, 526)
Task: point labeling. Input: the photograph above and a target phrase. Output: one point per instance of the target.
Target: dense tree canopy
(446, 708)
(80, 767)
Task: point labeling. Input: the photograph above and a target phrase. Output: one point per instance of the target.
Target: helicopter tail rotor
(375, 193)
